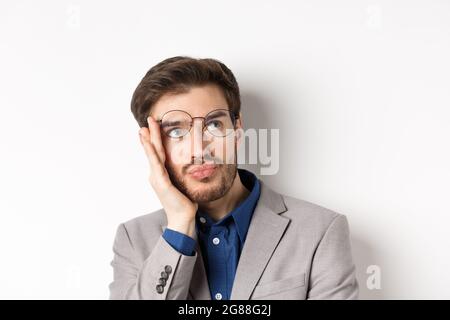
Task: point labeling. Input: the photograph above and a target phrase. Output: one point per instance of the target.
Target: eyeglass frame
(233, 116)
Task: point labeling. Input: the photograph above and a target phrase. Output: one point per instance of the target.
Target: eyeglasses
(177, 123)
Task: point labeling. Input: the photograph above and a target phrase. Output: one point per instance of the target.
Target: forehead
(198, 101)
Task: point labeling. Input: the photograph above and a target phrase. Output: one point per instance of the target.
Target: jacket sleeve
(136, 280)
(333, 273)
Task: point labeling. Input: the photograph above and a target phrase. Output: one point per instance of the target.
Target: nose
(198, 141)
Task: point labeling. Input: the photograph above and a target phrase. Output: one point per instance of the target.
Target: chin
(205, 190)
(204, 184)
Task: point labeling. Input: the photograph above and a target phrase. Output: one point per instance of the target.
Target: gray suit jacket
(293, 250)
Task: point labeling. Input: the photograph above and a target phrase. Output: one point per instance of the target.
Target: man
(222, 233)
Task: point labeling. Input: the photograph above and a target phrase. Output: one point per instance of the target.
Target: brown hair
(178, 75)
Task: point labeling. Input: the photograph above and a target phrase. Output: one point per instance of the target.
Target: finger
(154, 161)
(155, 137)
(146, 134)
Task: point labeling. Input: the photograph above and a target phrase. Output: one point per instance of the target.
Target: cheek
(177, 152)
(224, 149)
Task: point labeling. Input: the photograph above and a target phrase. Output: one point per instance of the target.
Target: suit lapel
(265, 232)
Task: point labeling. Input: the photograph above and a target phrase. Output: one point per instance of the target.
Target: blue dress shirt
(221, 241)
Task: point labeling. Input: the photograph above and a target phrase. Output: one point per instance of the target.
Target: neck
(219, 208)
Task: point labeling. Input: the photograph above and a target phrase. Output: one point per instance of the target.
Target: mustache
(206, 158)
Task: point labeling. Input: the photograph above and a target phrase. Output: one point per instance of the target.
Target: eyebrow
(170, 123)
(217, 114)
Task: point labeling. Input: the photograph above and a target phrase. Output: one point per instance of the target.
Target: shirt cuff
(180, 242)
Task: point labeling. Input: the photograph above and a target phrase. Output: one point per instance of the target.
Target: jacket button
(164, 275)
(159, 289)
(162, 281)
(168, 269)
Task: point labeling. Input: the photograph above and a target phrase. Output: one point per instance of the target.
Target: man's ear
(239, 127)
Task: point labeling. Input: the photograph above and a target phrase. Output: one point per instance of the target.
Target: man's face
(202, 166)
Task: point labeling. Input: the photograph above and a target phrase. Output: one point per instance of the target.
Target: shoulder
(309, 216)
(144, 229)
(299, 211)
(146, 222)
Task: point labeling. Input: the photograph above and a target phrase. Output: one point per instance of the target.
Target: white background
(359, 91)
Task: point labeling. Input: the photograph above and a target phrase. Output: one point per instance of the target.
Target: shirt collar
(242, 214)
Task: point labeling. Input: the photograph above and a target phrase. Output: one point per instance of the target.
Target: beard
(208, 189)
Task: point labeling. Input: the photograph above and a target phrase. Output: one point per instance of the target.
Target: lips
(202, 171)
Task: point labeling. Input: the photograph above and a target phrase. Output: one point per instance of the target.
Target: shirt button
(218, 296)
(216, 241)
(202, 220)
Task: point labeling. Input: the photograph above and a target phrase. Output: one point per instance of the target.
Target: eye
(214, 125)
(175, 133)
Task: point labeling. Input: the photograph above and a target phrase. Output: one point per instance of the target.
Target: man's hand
(179, 209)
